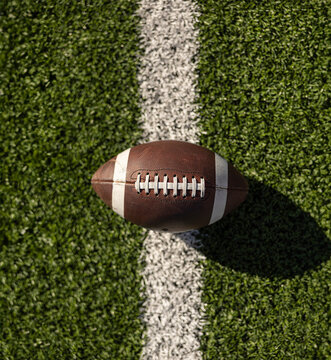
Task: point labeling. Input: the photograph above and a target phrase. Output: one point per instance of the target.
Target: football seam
(171, 199)
(132, 183)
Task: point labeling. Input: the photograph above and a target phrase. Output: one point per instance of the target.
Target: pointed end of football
(102, 181)
(237, 189)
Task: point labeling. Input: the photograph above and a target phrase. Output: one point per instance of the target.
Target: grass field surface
(264, 93)
(70, 275)
(70, 286)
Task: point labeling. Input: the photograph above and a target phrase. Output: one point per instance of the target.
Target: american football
(171, 186)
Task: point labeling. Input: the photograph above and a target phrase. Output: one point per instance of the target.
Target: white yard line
(172, 275)
(167, 77)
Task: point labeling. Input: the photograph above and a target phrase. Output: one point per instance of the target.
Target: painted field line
(173, 310)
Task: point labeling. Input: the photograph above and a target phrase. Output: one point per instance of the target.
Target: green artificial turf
(69, 274)
(264, 92)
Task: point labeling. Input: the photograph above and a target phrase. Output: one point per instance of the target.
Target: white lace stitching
(165, 185)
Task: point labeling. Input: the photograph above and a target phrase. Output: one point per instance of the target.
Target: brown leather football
(170, 185)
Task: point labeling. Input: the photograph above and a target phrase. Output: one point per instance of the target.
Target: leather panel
(169, 213)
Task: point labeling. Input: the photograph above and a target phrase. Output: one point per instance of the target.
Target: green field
(68, 270)
(70, 284)
(264, 92)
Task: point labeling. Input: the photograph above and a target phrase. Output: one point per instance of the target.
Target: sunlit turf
(263, 97)
(69, 274)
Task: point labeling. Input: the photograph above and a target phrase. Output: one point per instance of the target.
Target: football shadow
(268, 235)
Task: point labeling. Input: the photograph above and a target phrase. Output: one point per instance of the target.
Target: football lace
(165, 185)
